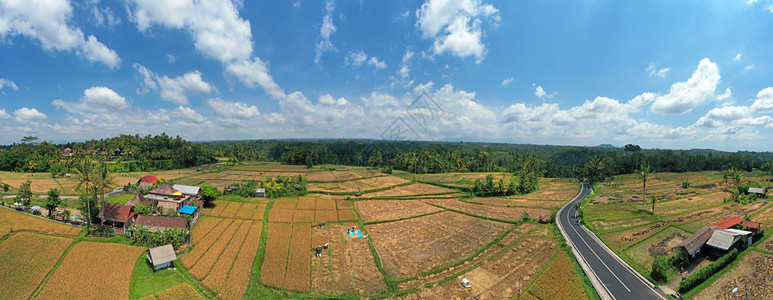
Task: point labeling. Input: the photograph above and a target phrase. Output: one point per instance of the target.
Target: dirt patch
(347, 267)
(664, 246)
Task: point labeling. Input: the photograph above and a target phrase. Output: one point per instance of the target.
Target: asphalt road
(618, 279)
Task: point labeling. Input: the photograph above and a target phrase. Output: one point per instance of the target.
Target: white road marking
(594, 253)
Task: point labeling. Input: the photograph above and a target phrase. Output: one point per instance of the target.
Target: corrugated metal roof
(756, 190)
(725, 238)
(162, 254)
(187, 189)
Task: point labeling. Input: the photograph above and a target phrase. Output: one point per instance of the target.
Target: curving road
(612, 278)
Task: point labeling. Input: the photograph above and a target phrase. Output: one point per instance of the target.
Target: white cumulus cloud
(764, 101)
(653, 71)
(684, 96)
(47, 22)
(175, 89)
(455, 26)
(507, 81)
(29, 115)
(98, 99)
(325, 31)
(218, 32)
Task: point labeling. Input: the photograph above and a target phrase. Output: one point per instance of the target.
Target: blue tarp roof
(187, 210)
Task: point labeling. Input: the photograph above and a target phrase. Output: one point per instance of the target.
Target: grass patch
(146, 282)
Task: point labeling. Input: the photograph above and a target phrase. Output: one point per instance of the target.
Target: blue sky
(684, 74)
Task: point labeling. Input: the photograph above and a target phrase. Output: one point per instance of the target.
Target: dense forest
(438, 157)
(124, 152)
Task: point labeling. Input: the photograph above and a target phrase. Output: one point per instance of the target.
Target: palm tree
(103, 179)
(84, 166)
(644, 173)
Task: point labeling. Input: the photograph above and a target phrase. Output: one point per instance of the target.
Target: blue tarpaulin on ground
(355, 234)
(188, 210)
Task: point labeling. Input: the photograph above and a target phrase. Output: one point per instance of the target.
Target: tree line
(124, 153)
(594, 163)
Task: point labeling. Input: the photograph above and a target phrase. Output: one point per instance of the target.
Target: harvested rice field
(416, 246)
(381, 210)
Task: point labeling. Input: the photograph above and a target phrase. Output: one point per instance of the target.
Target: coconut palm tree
(103, 179)
(644, 173)
(84, 166)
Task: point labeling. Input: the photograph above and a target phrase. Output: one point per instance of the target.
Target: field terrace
(615, 214)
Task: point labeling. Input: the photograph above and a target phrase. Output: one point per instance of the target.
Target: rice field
(93, 270)
(26, 259)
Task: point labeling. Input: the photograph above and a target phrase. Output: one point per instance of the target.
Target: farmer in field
(318, 251)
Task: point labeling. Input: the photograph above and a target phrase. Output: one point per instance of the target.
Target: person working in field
(318, 251)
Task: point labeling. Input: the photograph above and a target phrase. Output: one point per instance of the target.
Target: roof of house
(116, 212)
(697, 240)
(729, 222)
(162, 254)
(188, 210)
(149, 178)
(260, 190)
(164, 189)
(187, 189)
(139, 198)
(751, 224)
(544, 217)
(161, 221)
(725, 238)
(756, 190)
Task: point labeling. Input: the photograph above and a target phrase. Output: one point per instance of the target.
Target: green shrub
(659, 268)
(701, 275)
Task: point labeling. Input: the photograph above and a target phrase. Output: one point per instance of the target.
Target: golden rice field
(25, 260)
(92, 270)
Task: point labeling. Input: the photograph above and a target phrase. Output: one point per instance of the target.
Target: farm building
(116, 216)
(160, 223)
(147, 181)
(260, 192)
(168, 197)
(139, 198)
(161, 257)
(733, 221)
(759, 191)
(724, 239)
(693, 244)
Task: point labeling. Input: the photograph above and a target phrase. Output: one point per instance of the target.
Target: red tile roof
(161, 221)
(149, 178)
(750, 224)
(729, 222)
(116, 212)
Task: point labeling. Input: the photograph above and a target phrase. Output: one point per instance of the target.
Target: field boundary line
(226, 248)
(51, 273)
(401, 219)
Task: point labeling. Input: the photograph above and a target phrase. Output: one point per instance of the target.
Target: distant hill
(704, 150)
(607, 146)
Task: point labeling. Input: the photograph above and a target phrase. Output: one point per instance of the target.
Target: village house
(139, 198)
(66, 153)
(168, 197)
(260, 192)
(147, 181)
(160, 223)
(161, 257)
(117, 217)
